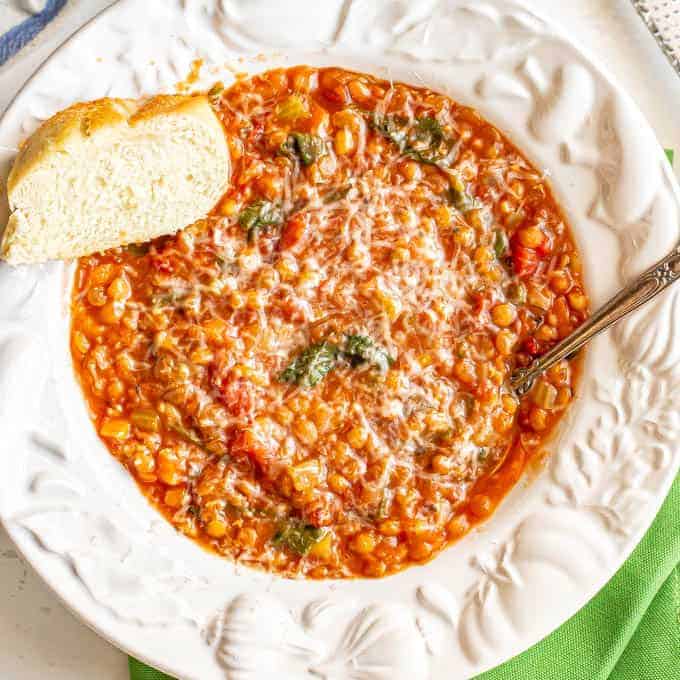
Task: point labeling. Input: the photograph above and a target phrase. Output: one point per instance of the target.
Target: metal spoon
(637, 293)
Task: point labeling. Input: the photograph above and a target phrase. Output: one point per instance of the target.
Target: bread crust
(84, 126)
(65, 129)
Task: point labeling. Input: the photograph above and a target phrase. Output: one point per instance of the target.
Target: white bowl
(78, 517)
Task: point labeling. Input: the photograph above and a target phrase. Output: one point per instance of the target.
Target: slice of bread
(110, 172)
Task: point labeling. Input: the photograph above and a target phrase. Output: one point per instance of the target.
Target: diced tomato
(523, 418)
(320, 512)
(480, 302)
(236, 393)
(294, 231)
(339, 94)
(545, 248)
(247, 445)
(531, 346)
(237, 396)
(257, 129)
(524, 260)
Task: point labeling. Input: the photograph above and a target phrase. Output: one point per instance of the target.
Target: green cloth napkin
(138, 671)
(629, 631)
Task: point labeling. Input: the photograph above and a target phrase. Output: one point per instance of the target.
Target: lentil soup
(314, 379)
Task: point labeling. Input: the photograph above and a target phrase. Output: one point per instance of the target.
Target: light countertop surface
(40, 637)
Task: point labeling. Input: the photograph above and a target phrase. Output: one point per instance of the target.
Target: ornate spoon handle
(637, 293)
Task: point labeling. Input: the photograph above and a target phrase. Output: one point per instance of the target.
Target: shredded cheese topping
(313, 380)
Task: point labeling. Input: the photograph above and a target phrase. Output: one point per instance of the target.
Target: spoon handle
(637, 293)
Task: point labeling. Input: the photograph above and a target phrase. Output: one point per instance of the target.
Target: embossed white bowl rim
(78, 518)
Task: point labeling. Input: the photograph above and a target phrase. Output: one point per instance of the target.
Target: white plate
(79, 519)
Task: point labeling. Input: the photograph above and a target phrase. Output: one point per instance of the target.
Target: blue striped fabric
(12, 41)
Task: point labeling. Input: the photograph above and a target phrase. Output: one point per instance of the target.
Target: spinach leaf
(186, 434)
(429, 131)
(173, 298)
(259, 215)
(311, 365)
(459, 199)
(336, 194)
(428, 144)
(298, 537)
(501, 244)
(516, 292)
(393, 128)
(360, 349)
(424, 141)
(308, 148)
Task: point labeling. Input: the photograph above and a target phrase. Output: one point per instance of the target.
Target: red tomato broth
(313, 380)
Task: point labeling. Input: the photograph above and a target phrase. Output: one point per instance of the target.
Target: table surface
(40, 637)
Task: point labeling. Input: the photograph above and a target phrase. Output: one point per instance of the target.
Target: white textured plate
(78, 517)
